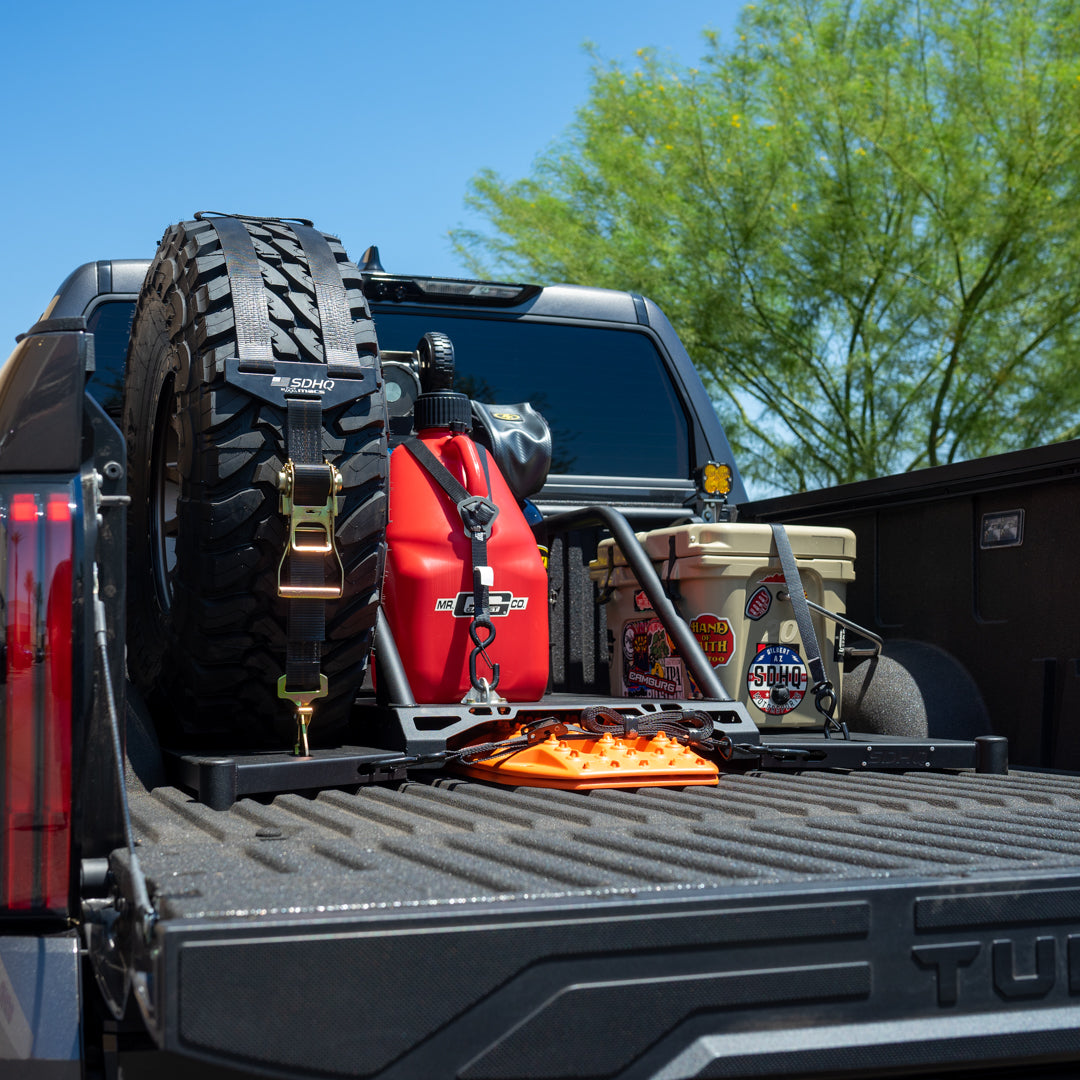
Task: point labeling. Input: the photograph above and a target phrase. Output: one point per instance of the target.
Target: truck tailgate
(799, 922)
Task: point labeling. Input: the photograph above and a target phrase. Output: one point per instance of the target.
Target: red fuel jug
(429, 589)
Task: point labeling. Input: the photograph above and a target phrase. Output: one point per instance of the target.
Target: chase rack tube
(689, 648)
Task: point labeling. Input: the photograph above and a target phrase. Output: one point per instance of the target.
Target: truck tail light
(37, 550)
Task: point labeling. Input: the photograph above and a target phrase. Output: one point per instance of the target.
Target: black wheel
(206, 628)
(435, 352)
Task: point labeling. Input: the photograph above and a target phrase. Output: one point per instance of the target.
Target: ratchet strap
(309, 484)
(478, 514)
(335, 316)
(823, 691)
(250, 312)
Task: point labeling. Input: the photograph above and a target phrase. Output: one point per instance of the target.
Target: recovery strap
(335, 317)
(250, 312)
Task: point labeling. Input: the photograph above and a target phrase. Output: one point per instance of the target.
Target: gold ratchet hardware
(311, 534)
(302, 699)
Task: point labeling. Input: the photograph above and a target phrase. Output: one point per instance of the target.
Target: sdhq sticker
(715, 636)
(777, 679)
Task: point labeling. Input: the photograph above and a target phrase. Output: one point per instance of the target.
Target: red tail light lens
(37, 549)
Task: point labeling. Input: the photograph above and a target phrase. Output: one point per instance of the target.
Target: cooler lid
(737, 538)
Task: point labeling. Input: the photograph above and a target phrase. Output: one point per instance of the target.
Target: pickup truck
(363, 913)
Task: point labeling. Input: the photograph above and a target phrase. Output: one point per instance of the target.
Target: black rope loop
(691, 727)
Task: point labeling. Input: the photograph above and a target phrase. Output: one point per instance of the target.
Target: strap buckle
(478, 515)
(311, 535)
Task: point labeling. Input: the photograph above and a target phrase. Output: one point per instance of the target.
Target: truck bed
(776, 923)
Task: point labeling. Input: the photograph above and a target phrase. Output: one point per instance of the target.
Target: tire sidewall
(152, 632)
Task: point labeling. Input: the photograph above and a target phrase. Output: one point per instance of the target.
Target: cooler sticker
(716, 637)
(759, 603)
(641, 601)
(499, 603)
(649, 667)
(777, 680)
(775, 578)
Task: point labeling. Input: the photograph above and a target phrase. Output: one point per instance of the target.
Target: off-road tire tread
(208, 664)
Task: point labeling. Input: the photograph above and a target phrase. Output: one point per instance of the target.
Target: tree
(861, 218)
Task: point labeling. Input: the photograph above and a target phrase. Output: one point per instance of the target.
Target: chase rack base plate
(220, 780)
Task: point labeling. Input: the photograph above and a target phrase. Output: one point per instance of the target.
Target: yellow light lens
(716, 479)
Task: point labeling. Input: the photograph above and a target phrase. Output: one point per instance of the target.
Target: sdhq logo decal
(777, 679)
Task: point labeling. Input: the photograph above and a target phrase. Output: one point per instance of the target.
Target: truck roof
(690, 420)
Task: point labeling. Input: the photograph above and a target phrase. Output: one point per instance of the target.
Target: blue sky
(122, 118)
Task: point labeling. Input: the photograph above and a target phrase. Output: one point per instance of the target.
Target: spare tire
(206, 627)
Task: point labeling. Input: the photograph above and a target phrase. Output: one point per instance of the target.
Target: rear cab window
(605, 393)
(110, 323)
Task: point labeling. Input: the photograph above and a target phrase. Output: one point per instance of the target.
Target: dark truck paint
(988, 572)
(799, 924)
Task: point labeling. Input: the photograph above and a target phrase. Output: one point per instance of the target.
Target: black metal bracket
(220, 780)
(424, 730)
(881, 753)
(300, 379)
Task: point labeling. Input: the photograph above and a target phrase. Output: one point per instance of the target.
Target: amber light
(715, 479)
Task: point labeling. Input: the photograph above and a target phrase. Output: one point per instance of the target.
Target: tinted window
(111, 326)
(605, 393)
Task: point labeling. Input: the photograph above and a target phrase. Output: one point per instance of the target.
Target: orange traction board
(596, 761)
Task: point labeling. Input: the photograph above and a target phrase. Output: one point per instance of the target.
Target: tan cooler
(727, 581)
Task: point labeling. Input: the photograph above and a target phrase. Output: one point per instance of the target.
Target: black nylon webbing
(335, 316)
(798, 603)
(437, 470)
(251, 315)
(458, 493)
(307, 617)
(304, 431)
(455, 489)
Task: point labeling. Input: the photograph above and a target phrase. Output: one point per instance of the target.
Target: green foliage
(861, 218)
